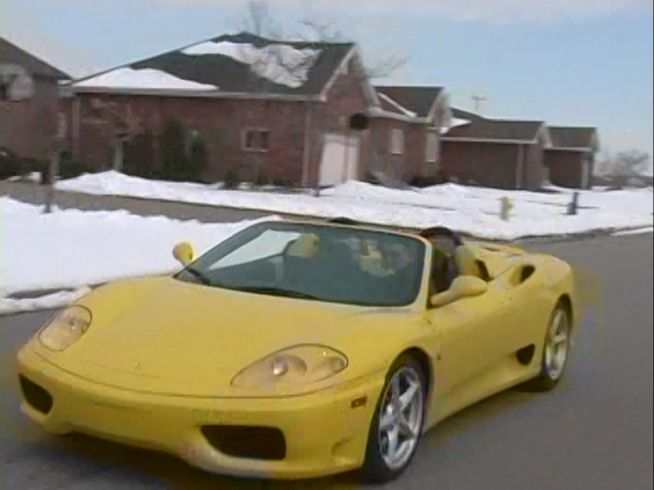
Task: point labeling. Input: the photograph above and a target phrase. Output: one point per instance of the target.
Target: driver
(444, 243)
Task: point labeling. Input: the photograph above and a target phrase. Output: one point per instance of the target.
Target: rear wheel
(397, 424)
(555, 351)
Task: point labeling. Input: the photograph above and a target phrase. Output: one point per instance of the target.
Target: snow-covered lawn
(72, 249)
(471, 210)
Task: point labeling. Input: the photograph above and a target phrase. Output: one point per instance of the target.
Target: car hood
(166, 336)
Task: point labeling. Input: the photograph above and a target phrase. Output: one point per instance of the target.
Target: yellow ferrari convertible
(295, 349)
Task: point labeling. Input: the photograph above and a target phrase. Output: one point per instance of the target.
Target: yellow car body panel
(157, 363)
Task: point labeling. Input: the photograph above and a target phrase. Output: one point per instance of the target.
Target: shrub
(425, 181)
(261, 180)
(173, 150)
(231, 179)
(69, 168)
(10, 164)
(197, 158)
(28, 165)
(284, 183)
(139, 156)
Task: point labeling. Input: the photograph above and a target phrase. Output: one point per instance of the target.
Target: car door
(471, 334)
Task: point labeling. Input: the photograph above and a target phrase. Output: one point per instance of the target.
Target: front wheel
(397, 425)
(555, 351)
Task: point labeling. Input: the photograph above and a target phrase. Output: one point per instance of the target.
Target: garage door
(340, 159)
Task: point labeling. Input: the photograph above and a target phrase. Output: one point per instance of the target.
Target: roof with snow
(229, 64)
(574, 138)
(501, 130)
(10, 53)
(415, 100)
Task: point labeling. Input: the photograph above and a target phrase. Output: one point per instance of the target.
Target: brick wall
(494, 164)
(566, 167)
(222, 122)
(488, 164)
(27, 127)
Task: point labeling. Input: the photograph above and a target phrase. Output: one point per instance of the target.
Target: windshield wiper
(203, 278)
(288, 293)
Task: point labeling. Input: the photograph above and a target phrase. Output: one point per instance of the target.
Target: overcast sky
(581, 62)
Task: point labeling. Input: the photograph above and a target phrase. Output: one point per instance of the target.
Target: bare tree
(119, 122)
(257, 20)
(290, 65)
(326, 31)
(625, 165)
(318, 30)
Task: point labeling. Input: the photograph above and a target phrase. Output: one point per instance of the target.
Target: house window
(256, 140)
(397, 142)
(431, 147)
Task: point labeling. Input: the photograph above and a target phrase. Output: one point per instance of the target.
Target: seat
(467, 263)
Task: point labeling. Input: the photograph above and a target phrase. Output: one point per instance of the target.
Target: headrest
(466, 262)
(304, 246)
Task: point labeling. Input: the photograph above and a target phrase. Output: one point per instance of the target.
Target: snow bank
(472, 210)
(279, 63)
(70, 249)
(46, 302)
(147, 79)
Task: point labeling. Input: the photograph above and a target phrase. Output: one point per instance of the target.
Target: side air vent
(526, 354)
(526, 272)
(520, 274)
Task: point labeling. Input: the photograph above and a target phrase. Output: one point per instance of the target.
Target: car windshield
(315, 262)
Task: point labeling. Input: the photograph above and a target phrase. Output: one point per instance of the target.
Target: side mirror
(462, 287)
(184, 253)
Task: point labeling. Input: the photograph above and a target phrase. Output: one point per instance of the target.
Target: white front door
(340, 159)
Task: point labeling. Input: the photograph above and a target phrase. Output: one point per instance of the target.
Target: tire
(404, 425)
(556, 351)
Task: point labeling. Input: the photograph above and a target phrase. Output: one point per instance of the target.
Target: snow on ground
(279, 63)
(639, 231)
(70, 249)
(471, 210)
(45, 302)
(146, 79)
(34, 177)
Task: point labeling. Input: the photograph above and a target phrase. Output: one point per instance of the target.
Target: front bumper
(324, 434)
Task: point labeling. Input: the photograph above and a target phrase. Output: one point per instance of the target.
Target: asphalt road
(206, 213)
(593, 432)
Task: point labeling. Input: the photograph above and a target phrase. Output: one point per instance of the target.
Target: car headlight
(297, 365)
(66, 328)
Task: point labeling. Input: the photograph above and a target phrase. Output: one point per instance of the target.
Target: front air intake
(37, 398)
(264, 443)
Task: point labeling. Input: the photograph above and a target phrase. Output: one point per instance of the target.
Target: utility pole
(478, 101)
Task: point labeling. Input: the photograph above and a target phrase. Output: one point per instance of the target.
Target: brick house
(495, 152)
(571, 158)
(27, 124)
(263, 107)
(405, 132)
